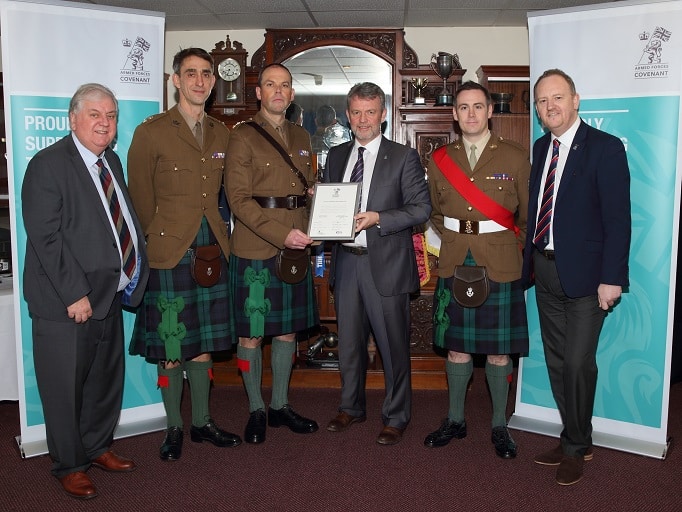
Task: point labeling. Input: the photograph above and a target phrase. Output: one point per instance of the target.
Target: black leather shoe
(289, 418)
(447, 431)
(505, 446)
(214, 434)
(254, 432)
(171, 449)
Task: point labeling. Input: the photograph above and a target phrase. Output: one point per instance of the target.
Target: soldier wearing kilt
(499, 170)
(176, 167)
(269, 202)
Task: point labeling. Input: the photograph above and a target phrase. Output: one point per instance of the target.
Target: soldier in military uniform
(269, 202)
(176, 165)
(499, 169)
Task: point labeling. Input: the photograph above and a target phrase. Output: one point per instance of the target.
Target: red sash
(471, 192)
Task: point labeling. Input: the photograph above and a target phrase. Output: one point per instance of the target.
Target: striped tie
(358, 170)
(127, 246)
(541, 238)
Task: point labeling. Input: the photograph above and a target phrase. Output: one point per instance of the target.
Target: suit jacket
(71, 249)
(399, 193)
(591, 217)
(174, 183)
(502, 173)
(255, 168)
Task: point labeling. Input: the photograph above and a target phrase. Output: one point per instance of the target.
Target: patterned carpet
(348, 471)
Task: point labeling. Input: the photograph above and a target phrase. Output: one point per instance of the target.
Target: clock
(229, 68)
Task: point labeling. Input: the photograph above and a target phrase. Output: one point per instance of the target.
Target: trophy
(443, 64)
(419, 85)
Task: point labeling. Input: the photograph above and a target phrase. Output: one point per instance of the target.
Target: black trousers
(79, 370)
(570, 328)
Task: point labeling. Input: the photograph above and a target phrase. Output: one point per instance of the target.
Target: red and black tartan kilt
(292, 308)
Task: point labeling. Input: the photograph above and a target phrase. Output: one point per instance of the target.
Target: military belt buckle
(468, 227)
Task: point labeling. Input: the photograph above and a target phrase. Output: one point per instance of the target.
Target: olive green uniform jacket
(174, 183)
(255, 168)
(502, 173)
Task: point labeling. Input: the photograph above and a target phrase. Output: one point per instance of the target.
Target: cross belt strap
(471, 192)
(281, 151)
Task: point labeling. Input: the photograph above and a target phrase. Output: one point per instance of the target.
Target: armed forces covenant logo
(651, 63)
(133, 71)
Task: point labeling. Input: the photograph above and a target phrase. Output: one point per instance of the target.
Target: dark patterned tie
(127, 246)
(541, 238)
(358, 170)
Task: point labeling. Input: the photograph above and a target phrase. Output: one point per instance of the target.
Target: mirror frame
(387, 44)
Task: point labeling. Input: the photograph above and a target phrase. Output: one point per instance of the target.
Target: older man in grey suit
(373, 275)
(85, 257)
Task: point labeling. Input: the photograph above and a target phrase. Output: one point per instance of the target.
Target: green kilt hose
(179, 315)
(265, 306)
(499, 326)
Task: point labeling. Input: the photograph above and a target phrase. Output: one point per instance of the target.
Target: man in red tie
(85, 256)
(578, 256)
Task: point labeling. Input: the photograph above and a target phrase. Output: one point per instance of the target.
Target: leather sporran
(470, 286)
(292, 265)
(206, 266)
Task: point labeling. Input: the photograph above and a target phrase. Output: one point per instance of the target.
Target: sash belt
(472, 227)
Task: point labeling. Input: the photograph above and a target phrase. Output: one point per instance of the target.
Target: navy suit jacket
(71, 249)
(591, 215)
(399, 193)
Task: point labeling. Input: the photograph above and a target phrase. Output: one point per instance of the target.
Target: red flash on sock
(210, 374)
(162, 381)
(509, 378)
(243, 365)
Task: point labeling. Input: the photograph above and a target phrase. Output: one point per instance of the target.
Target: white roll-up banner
(49, 49)
(626, 61)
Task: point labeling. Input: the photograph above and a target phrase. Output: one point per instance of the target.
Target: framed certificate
(334, 206)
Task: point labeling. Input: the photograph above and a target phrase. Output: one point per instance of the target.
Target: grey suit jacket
(71, 250)
(399, 193)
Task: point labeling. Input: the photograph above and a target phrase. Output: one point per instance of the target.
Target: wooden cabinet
(515, 80)
(422, 126)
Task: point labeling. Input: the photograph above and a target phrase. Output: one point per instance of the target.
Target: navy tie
(127, 246)
(358, 170)
(541, 238)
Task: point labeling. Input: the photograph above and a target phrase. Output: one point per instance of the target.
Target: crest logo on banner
(651, 64)
(133, 71)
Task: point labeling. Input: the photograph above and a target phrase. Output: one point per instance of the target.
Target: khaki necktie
(282, 134)
(472, 156)
(199, 134)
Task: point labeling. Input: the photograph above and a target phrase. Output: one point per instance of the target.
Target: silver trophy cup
(443, 64)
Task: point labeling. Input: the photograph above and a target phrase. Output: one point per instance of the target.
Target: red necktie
(541, 238)
(127, 246)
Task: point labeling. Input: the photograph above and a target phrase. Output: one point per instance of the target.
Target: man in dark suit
(373, 276)
(81, 266)
(577, 250)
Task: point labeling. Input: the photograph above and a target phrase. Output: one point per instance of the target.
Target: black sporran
(292, 265)
(470, 286)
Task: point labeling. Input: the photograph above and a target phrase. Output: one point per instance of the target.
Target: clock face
(229, 69)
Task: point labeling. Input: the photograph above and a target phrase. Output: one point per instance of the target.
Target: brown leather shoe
(109, 461)
(555, 456)
(390, 435)
(570, 470)
(343, 421)
(78, 485)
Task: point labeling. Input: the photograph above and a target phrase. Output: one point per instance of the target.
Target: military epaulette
(511, 142)
(154, 117)
(240, 123)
